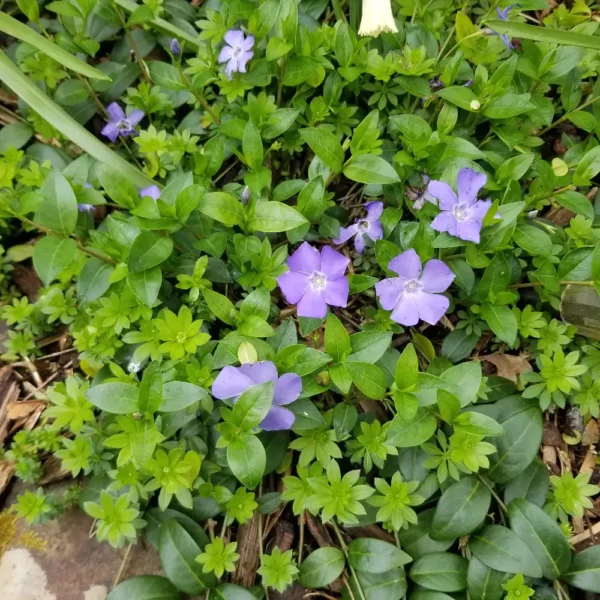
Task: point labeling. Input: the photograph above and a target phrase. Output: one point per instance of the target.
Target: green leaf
(440, 571)
(413, 432)
(406, 374)
(51, 256)
(247, 460)
(533, 239)
(71, 129)
(252, 146)
(375, 556)
(517, 449)
(59, 210)
(114, 397)
(508, 106)
(369, 346)
(222, 207)
(367, 168)
(458, 344)
(544, 537)
(178, 550)
(156, 518)
(484, 583)
(531, 485)
(148, 250)
(461, 509)
(475, 423)
(166, 76)
(321, 568)
(311, 200)
(298, 69)
(501, 320)
(119, 188)
(344, 419)
(587, 167)
(577, 264)
(576, 202)
(28, 35)
(146, 285)
(390, 585)
(220, 306)
(368, 378)
(15, 135)
(301, 359)
(94, 280)
(543, 34)
(325, 145)
(448, 404)
(308, 416)
(229, 591)
(503, 550)
(416, 540)
(337, 339)
(150, 394)
(273, 217)
(458, 95)
(279, 122)
(584, 572)
(252, 406)
(177, 395)
(145, 587)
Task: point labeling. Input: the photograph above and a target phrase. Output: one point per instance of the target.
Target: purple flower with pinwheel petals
(152, 190)
(415, 295)
(461, 216)
(503, 16)
(369, 226)
(231, 382)
(237, 53)
(314, 280)
(120, 124)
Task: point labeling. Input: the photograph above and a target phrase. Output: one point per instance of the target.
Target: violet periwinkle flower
(120, 124)
(231, 382)
(237, 53)
(420, 196)
(90, 208)
(503, 16)
(370, 226)
(314, 280)
(377, 18)
(152, 190)
(461, 216)
(415, 295)
(175, 47)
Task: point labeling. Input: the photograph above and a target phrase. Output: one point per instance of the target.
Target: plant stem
(132, 43)
(566, 115)
(260, 539)
(496, 497)
(538, 283)
(337, 9)
(198, 96)
(301, 541)
(338, 533)
(123, 565)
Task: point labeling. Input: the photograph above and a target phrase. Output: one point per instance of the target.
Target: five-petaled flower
(377, 18)
(503, 16)
(462, 215)
(415, 295)
(237, 52)
(231, 382)
(120, 124)
(369, 226)
(315, 279)
(152, 190)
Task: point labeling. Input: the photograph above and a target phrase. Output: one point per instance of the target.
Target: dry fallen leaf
(590, 433)
(508, 365)
(6, 473)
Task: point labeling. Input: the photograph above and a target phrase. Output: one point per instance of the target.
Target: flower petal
(444, 193)
(359, 243)
(306, 259)
(436, 276)
(136, 116)
(445, 221)
(469, 183)
(230, 382)
(469, 230)
(478, 210)
(406, 312)
(260, 372)
(243, 61)
(248, 43)
(225, 54)
(336, 291)
(375, 232)
(333, 263)
(278, 419)
(312, 305)
(346, 233)
(407, 265)
(152, 190)
(432, 307)
(389, 291)
(235, 38)
(115, 113)
(293, 285)
(287, 389)
(374, 210)
(111, 131)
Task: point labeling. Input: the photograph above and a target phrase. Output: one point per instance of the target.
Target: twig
(581, 537)
(496, 497)
(34, 372)
(123, 565)
(338, 533)
(301, 542)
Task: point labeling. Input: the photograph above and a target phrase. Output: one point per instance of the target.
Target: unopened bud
(247, 353)
(475, 105)
(175, 47)
(246, 195)
(559, 167)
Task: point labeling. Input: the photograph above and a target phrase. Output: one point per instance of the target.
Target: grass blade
(544, 34)
(26, 34)
(12, 77)
(162, 25)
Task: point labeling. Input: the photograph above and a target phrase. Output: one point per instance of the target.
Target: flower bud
(246, 195)
(475, 105)
(247, 353)
(377, 18)
(560, 167)
(175, 47)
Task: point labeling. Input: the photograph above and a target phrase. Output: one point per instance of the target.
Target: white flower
(377, 18)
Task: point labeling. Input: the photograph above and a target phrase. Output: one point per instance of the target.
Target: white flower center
(412, 286)
(363, 225)
(317, 281)
(461, 212)
(124, 125)
(236, 51)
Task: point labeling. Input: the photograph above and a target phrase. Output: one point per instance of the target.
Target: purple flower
(503, 16)
(231, 382)
(90, 208)
(369, 226)
(315, 279)
(413, 295)
(175, 47)
(420, 196)
(119, 124)
(237, 53)
(461, 216)
(152, 190)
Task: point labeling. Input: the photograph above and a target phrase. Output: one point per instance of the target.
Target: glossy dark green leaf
(94, 280)
(461, 509)
(114, 397)
(584, 572)
(321, 567)
(337, 339)
(177, 395)
(253, 405)
(156, 518)
(503, 550)
(531, 484)
(416, 539)
(273, 217)
(59, 209)
(222, 207)
(440, 571)
(229, 591)
(368, 378)
(51, 255)
(367, 168)
(375, 556)
(146, 285)
(543, 536)
(325, 145)
(145, 587)
(413, 432)
(390, 585)
(247, 460)
(149, 249)
(484, 583)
